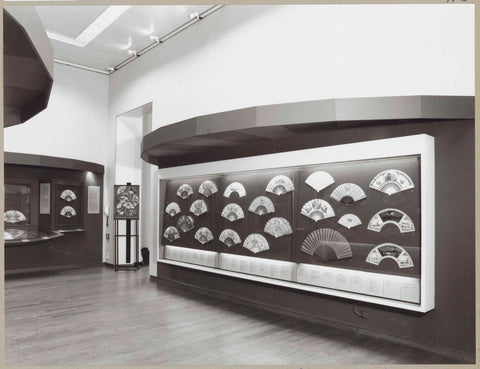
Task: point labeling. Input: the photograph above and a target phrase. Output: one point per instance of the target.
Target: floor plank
(95, 316)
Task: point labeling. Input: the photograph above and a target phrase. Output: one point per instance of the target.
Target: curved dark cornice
(256, 130)
(15, 158)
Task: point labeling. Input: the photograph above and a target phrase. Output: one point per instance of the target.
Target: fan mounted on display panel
(198, 207)
(185, 223)
(317, 209)
(392, 181)
(261, 205)
(208, 188)
(184, 191)
(14, 216)
(172, 209)
(348, 193)
(235, 187)
(319, 180)
(229, 237)
(68, 212)
(233, 212)
(280, 185)
(278, 227)
(349, 221)
(327, 244)
(171, 234)
(256, 243)
(68, 195)
(390, 251)
(391, 216)
(203, 235)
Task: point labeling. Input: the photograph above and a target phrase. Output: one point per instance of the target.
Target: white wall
(74, 123)
(246, 56)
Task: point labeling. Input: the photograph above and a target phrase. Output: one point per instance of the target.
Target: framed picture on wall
(126, 201)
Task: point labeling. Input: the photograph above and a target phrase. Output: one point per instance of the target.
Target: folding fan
(255, 242)
(185, 223)
(184, 191)
(280, 185)
(235, 187)
(172, 209)
(171, 233)
(319, 180)
(68, 212)
(317, 209)
(261, 205)
(391, 181)
(7, 235)
(14, 216)
(349, 221)
(348, 193)
(203, 235)
(278, 227)
(68, 195)
(327, 244)
(15, 234)
(229, 237)
(390, 251)
(393, 216)
(208, 188)
(198, 207)
(232, 212)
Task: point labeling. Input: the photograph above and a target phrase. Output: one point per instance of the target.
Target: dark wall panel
(76, 248)
(451, 325)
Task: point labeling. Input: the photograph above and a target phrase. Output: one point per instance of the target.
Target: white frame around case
(422, 145)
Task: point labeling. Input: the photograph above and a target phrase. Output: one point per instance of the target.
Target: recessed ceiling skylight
(106, 18)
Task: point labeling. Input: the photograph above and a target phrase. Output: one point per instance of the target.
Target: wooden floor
(96, 316)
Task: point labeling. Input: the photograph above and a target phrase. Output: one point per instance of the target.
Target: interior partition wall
(450, 309)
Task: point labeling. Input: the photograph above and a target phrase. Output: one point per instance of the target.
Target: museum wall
(450, 327)
(73, 125)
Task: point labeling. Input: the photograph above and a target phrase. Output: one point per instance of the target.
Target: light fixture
(154, 39)
(110, 69)
(106, 18)
(132, 52)
(194, 15)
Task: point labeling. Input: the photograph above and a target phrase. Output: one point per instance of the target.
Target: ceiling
(132, 30)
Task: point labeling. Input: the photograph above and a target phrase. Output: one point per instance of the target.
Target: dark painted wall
(73, 249)
(450, 327)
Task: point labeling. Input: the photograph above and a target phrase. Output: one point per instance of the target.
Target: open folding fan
(172, 209)
(208, 188)
(261, 205)
(198, 207)
(278, 227)
(348, 193)
(235, 187)
(171, 233)
(280, 185)
(327, 244)
(392, 181)
(68, 212)
(319, 180)
(184, 191)
(229, 237)
(233, 212)
(349, 221)
(14, 216)
(256, 243)
(390, 251)
(68, 195)
(203, 235)
(392, 216)
(185, 223)
(317, 209)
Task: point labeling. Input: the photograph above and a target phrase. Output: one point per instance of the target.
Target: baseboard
(462, 357)
(22, 273)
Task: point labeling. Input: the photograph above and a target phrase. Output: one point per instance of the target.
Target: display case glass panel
(18, 200)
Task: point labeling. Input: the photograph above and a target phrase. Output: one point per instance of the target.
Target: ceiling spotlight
(110, 69)
(132, 52)
(154, 38)
(194, 15)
